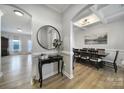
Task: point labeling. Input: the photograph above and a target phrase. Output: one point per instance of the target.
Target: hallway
(16, 71)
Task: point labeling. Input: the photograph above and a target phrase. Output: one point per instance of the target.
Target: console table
(50, 59)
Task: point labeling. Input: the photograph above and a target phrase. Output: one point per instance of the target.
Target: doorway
(16, 42)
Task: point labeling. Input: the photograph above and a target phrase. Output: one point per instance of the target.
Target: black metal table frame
(41, 62)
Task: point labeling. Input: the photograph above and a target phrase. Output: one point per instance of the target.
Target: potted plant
(58, 45)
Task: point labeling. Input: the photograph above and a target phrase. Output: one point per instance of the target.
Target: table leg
(58, 67)
(41, 77)
(97, 65)
(62, 67)
(40, 73)
(39, 69)
(115, 67)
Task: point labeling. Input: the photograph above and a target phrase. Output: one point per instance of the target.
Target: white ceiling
(105, 12)
(11, 22)
(60, 8)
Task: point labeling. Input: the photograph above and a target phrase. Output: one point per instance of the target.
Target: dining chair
(84, 55)
(94, 58)
(114, 63)
(91, 50)
(84, 49)
(100, 50)
(76, 55)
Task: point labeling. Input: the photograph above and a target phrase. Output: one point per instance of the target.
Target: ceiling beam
(115, 16)
(100, 6)
(99, 15)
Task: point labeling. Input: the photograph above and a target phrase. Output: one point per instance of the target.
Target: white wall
(67, 34)
(0, 43)
(42, 15)
(22, 37)
(115, 31)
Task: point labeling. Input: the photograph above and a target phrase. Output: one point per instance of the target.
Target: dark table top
(50, 58)
(99, 53)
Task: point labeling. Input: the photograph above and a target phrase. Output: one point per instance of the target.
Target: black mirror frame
(39, 41)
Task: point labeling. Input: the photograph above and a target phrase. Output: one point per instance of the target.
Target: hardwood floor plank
(17, 75)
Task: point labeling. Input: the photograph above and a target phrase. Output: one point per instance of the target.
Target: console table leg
(41, 77)
(62, 67)
(40, 73)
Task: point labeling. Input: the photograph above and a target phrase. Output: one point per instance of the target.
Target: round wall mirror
(47, 36)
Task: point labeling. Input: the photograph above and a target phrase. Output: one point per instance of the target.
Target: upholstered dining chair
(112, 64)
(76, 55)
(84, 49)
(84, 55)
(95, 59)
(100, 50)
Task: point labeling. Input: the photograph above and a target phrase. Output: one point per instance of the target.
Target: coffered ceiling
(106, 13)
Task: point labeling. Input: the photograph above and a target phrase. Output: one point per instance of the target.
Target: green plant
(57, 44)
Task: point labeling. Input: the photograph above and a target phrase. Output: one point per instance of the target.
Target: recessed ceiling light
(87, 20)
(19, 30)
(19, 13)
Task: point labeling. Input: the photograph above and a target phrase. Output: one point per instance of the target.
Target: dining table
(99, 55)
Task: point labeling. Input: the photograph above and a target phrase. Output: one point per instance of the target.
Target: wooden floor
(17, 74)
(16, 71)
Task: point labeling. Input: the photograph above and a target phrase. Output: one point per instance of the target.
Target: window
(29, 45)
(16, 45)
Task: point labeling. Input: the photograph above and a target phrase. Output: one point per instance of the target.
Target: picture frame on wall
(93, 39)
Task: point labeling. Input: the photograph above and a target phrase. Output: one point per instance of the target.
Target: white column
(0, 43)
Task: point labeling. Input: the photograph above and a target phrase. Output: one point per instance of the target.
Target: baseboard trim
(68, 75)
(46, 76)
(51, 74)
